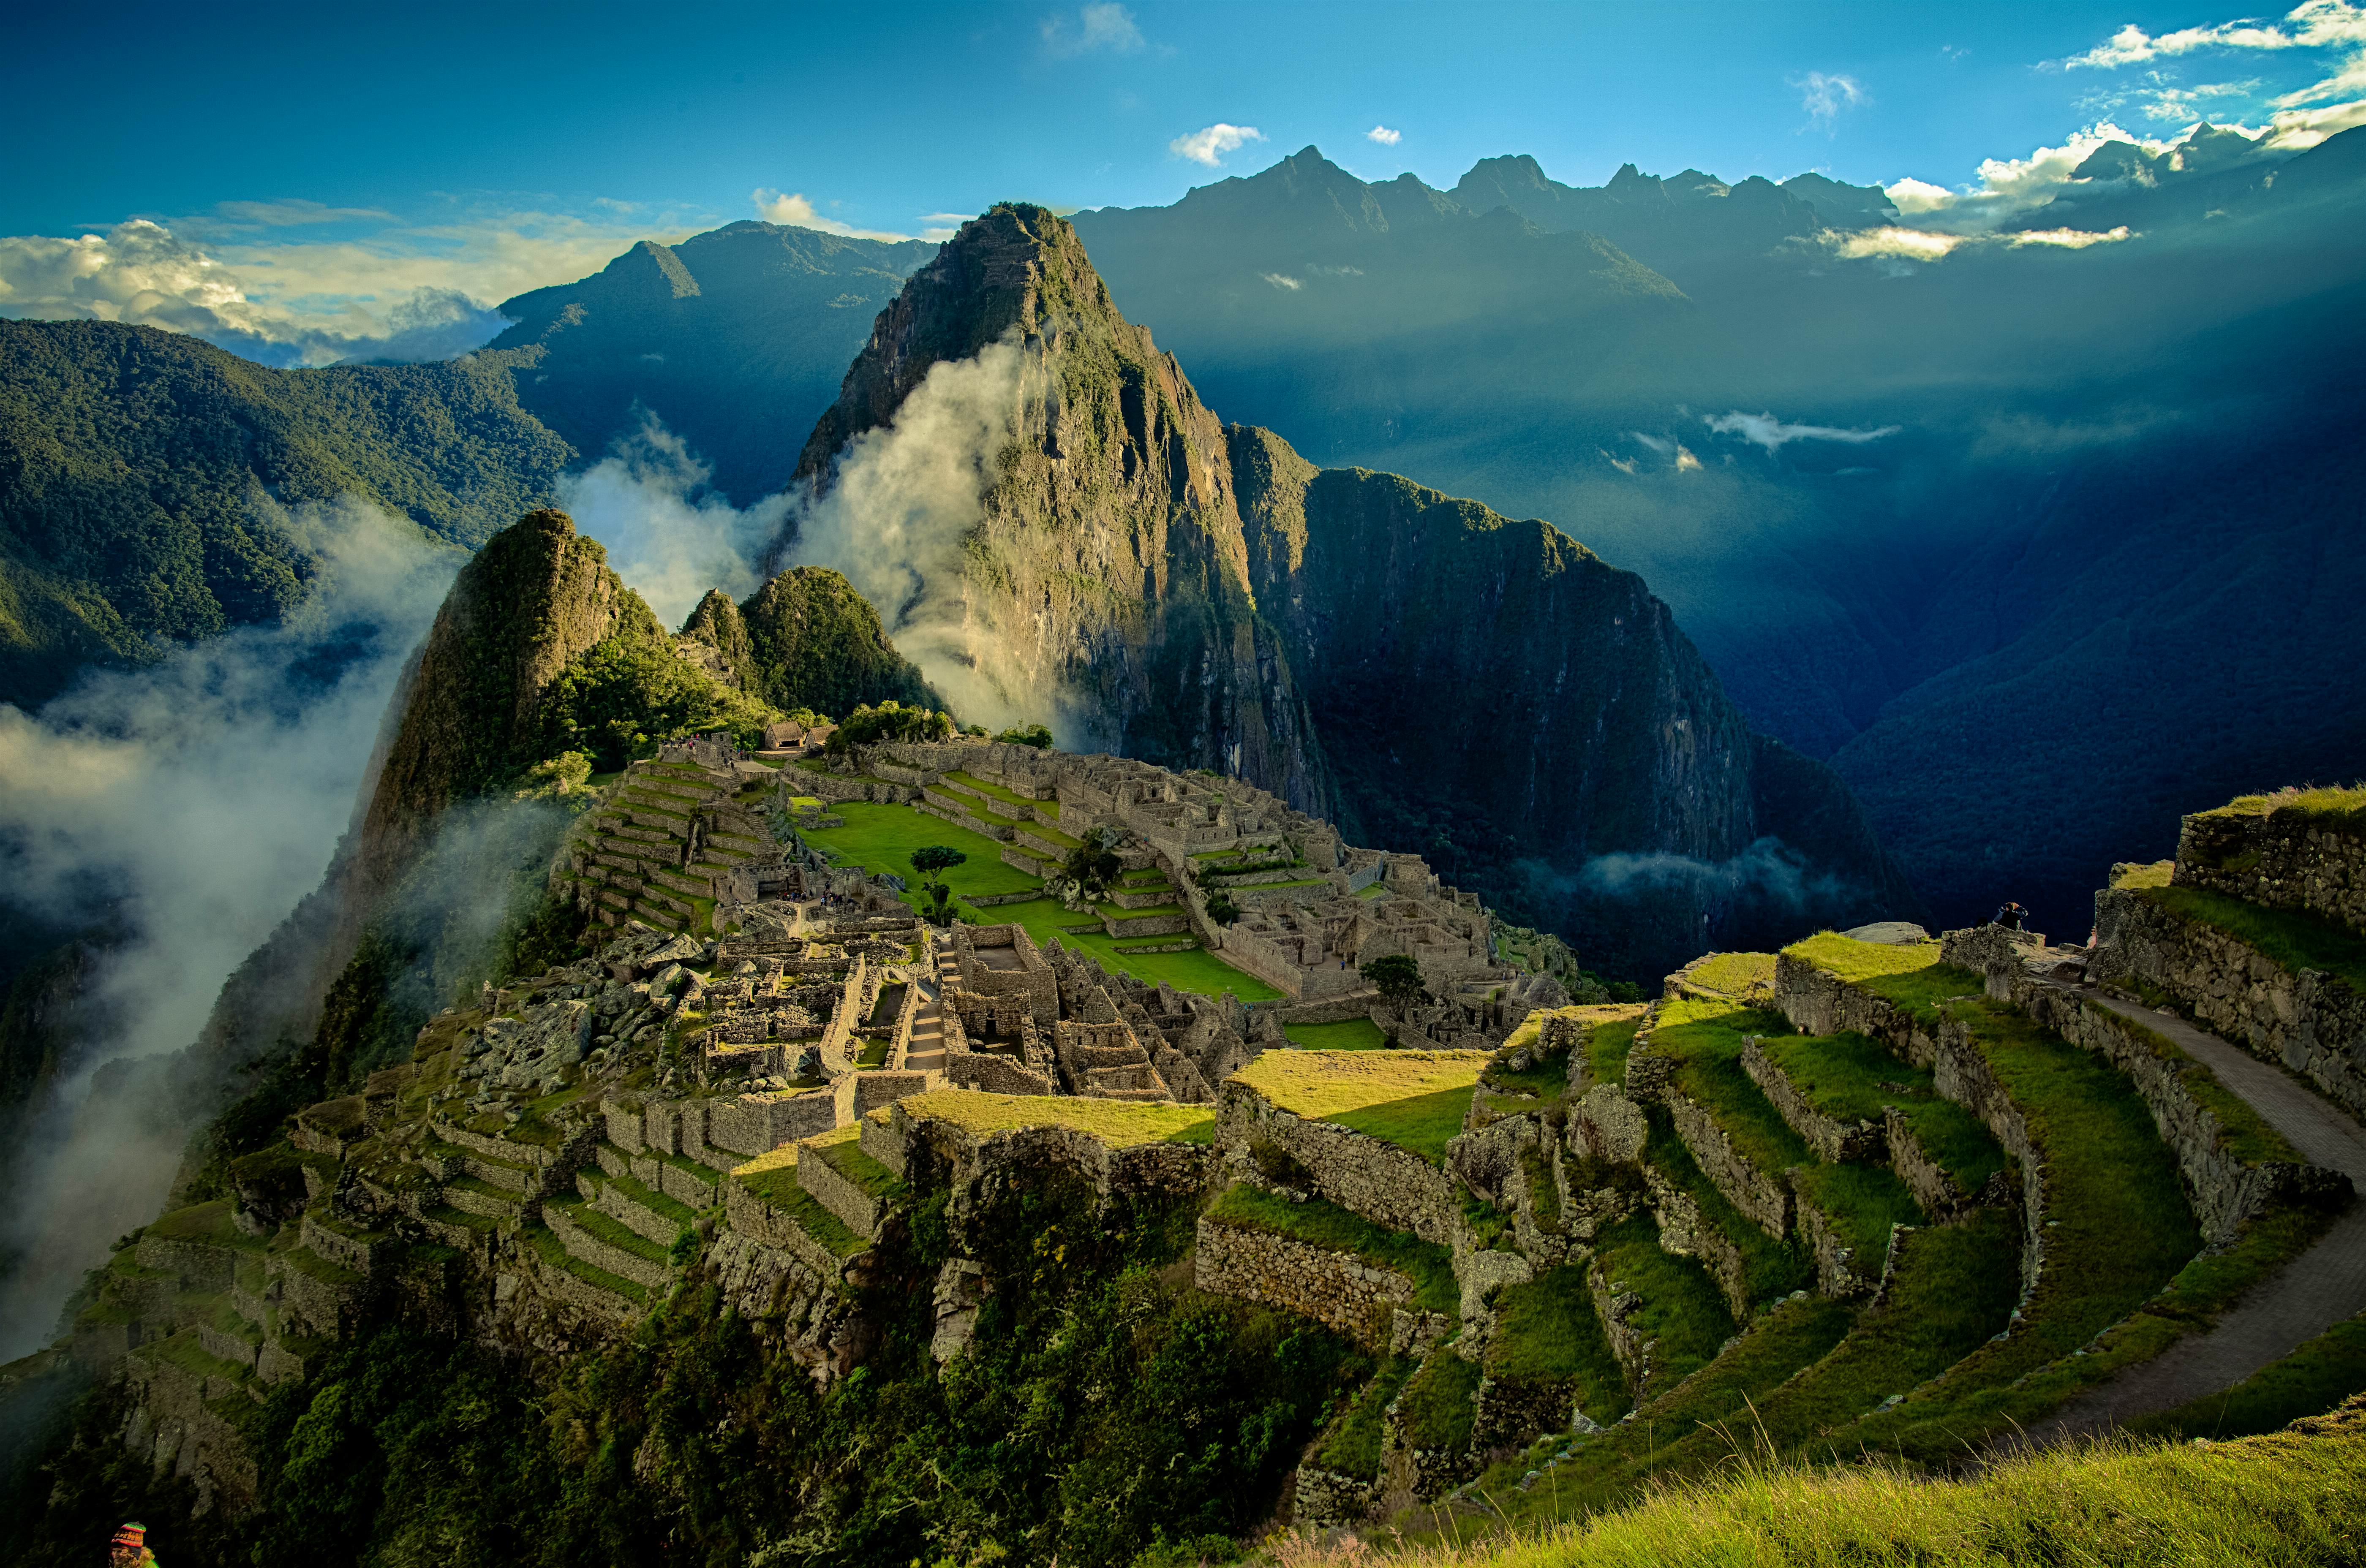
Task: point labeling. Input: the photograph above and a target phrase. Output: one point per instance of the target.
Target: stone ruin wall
(2281, 859)
(2309, 1022)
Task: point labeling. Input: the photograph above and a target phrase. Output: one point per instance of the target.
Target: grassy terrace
(1009, 797)
(604, 1227)
(2335, 806)
(1121, 1124)
(1769, 1268)
(1734, 973)
(2293, 939)
(842, 1152)
(1546, 1331)
(1415, 1100)
(1349, 1035)
(1611, 1467)
(882, 838)
(1852, 1078)
(1320, 1222)
(1352, 1446)
(1706, 1039)
(771, 1180)
(209, 1223)
(552, 1251)
(1437, 1408)
(2120, 1228)
(1682, 1312)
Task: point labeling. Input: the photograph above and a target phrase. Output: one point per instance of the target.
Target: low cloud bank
(198, 799)
(667, 536)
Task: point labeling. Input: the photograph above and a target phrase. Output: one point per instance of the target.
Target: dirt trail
(2321, 1287)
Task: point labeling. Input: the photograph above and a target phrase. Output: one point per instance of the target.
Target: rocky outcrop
(808, 640)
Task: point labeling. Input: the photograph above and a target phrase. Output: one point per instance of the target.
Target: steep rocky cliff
(1493, 694)
(1103, 579)
(1434, 675)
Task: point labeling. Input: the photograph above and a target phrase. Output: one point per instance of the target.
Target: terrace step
(650, 1215)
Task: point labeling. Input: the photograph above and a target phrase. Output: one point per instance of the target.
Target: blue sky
(328, 166)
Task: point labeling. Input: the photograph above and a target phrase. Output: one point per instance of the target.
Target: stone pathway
(2321, 1287)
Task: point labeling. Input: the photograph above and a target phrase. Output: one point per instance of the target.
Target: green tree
(1398, 979)
(933, 861)
(1035, 735)
(1222, 909)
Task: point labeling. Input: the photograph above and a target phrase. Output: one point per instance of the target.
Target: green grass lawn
(1348, 1034)
(1682, 1308)
(1854, 960)
(1850, 1077)
(1606, 1046)
(1193, 970)
(1769, 1268)
(1120, 1123)
(1416, 1100)
(1435, 1408)
(882, 838)
(1734, 973)
(1352, 1446)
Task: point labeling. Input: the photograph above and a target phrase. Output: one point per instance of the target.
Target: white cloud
(1384, 136)
(1282, 281)
(1108, 27)
(1209, 145)
(666, 535)
(2315, 24)
(1894, 244)
(299, 284)
(2008, 186)
(1824, 97)
(2070, 239)
(1902, 244)
(794, 210)
(2296, 130)
(1766, 431)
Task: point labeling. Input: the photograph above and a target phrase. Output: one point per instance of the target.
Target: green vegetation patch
(841, 1150)
(1437, 1407)
(1352, 1446)
(1320, 1222)
(1863, 1201)
(1121, 1124)
(1009, 797)
(1411, 1091)
(1348, 1034)
(1193, 970)
(604, 1227)
(1733, 973)
(214, 1223)
(1607, 1047)
(882, 838)
(775, 1186)
(1547, 1331)
(1852, 960)
(2289, 938)
(552, 1251)
(1683, 1311)
(2335, 805)
(1851, 1077)
(1705, 1039)
(1769, 1268)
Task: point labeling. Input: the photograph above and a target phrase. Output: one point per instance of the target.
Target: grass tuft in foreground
(2295, 1499)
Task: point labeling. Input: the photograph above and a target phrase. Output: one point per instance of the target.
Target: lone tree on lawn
(1398, 978)
(933, 861)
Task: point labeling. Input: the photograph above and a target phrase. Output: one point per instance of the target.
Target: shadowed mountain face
(1932, 520)
(1435, 676)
